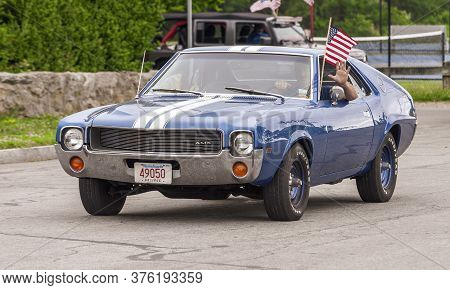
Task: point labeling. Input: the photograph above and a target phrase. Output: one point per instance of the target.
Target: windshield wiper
(178, 91)
(253, 92)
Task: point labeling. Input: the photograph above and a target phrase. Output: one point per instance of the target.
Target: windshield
(292, 33)
(286, 75)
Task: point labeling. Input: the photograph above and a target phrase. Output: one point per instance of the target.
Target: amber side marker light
(240, 169)
(76, 163)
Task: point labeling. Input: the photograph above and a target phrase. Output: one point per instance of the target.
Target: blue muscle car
(243, 120)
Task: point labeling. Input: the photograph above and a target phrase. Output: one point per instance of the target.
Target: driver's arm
(341, 79)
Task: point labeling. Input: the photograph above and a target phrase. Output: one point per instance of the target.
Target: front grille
(158, 141)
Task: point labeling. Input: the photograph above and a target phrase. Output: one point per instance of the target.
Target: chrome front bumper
(193, 169)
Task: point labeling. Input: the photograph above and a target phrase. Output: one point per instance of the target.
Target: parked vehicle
(242, 120)
(213, 28)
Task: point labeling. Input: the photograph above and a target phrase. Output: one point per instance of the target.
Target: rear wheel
(286, 197)
(378, 184)
(98, 198)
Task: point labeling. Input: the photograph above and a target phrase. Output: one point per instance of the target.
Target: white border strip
(394, 37)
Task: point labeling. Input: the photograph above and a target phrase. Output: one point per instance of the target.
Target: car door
(350, 131)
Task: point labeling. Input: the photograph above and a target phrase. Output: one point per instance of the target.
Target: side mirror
(265, 40)
(337, 93)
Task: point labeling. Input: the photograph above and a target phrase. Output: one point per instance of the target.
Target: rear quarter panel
(391, 106)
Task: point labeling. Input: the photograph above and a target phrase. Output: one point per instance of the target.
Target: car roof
(218, 15)
(261, 49)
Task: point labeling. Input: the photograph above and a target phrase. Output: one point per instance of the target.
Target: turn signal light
(76, 163)
(240, 169)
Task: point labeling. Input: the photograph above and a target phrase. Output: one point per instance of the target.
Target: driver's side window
(359, 89)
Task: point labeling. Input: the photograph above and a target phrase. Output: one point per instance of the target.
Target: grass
(426, 91)
(20, 132)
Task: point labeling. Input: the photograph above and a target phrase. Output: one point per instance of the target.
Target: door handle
(366, 113)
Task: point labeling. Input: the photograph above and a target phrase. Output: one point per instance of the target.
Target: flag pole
(189, 23)
(311, 22)
(324, 56)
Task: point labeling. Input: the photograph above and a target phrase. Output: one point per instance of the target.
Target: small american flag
(309, 2)
(261, 4)
(338, 46)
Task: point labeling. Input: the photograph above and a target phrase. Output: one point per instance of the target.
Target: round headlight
(73, 139)
(243, 143)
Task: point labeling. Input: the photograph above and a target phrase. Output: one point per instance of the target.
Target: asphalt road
(43, 224)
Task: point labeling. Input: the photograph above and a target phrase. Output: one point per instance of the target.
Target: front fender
(301, 137)
(275, 151)
(81, 119)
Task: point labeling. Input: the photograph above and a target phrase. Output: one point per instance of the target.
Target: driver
(340, 78)
(257, 33)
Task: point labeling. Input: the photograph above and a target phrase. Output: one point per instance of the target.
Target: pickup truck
(214, 28)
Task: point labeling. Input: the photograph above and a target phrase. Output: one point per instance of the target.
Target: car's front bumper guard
(198, 169)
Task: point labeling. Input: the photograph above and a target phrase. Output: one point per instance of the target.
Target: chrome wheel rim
(296, 184)
(386, 167)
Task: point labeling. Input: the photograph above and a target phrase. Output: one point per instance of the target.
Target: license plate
(157, 173)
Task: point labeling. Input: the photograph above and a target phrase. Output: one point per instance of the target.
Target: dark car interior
(247, 33)
(210, 32)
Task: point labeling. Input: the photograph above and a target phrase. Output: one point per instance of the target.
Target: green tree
(82, 35)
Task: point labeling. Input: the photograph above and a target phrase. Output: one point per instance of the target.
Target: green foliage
(89, 35)
(81, 35)
(18, 132)
(197, 5)
(426, 91)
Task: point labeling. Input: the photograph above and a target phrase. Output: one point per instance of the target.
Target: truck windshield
(285, 75)
(289, 33)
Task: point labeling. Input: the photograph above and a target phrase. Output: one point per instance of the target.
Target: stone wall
(47, 93)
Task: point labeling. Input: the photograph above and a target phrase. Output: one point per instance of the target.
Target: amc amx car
(245, 121)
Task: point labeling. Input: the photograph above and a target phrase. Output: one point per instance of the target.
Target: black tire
(279, 204)
(97, 198)
(375, 186)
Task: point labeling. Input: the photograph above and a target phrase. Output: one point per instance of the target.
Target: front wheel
(378, 184)
(98, 198)
(286, 196)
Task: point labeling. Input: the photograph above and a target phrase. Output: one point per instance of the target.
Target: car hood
(226, 112)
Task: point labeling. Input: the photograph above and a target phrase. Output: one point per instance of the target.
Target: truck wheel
(97, 198)
(286, 196)
(378, 184)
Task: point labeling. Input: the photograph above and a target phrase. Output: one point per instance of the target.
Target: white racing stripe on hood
(143, 120)
(163, 119)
